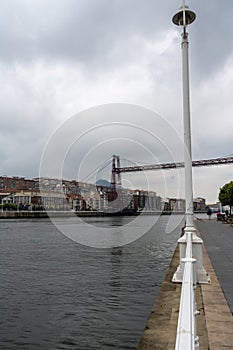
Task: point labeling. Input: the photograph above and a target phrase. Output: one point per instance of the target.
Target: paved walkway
(215, 322)
(218, 240)
(160, 330)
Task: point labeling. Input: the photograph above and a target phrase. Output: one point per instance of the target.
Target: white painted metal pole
(185, 17)
(187, 133)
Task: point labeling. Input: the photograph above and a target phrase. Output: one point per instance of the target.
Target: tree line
(226, 195)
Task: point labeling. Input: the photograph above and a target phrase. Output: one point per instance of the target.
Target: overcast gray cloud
(58, 58)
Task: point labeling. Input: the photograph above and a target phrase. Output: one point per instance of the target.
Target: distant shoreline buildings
(58, 194)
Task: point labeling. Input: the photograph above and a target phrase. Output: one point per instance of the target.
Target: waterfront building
(5, 197)
(165, 205)
(38, 200)
(61, 194)
(176, 204)
(75, 202)
(9, 183)
(52, 184)
(140, 198)
(154, 202)
(199, 204)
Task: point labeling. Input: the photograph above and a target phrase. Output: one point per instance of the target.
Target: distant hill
(103, 183)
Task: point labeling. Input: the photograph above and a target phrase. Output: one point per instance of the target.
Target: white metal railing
(186, 338)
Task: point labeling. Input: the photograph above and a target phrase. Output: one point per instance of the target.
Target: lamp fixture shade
(178, 18)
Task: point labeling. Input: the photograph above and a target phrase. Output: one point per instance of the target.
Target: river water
(58, 294)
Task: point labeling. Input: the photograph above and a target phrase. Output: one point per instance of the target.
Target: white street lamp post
(183, 18)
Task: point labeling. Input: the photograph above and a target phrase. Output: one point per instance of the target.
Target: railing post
(187, 338)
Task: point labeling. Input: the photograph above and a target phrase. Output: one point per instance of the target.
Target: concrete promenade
(218, 239)
(215, 322)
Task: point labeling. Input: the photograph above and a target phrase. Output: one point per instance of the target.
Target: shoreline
(44, 214)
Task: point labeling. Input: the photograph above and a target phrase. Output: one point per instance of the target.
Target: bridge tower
(116, 176)
(114, 193)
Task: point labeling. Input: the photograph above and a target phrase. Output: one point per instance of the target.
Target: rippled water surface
(58, 294)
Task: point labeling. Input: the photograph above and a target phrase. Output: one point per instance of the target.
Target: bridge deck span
(195, 163)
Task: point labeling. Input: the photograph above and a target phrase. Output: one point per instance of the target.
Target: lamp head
(178, 17)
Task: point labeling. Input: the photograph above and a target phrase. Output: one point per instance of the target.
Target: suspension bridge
(117, 169)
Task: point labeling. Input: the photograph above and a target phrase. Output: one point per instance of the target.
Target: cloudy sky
(59, 58)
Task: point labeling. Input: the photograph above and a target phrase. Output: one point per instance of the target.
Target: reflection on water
(57, 294)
